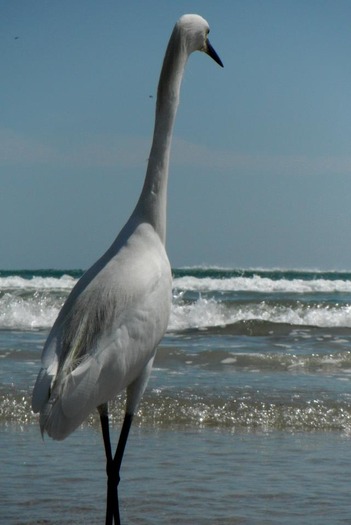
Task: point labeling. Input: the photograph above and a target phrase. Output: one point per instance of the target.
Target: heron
(105, 337)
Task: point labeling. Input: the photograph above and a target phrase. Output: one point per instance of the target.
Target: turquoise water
(246, 418)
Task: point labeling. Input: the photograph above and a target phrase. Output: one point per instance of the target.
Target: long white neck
(152, 203)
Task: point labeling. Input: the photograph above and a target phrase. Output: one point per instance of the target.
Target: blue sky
(260, 170)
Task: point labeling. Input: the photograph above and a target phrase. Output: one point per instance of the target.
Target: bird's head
(195, 30)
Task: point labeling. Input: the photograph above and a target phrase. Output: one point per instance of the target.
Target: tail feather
(73, 398)
(41, 392)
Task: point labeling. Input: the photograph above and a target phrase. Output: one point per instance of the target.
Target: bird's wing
(107, 332)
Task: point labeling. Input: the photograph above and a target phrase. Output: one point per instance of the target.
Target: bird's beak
(212, 53)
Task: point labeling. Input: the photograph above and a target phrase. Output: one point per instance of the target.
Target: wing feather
(105, 335)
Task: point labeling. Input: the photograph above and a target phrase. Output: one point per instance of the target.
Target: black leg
(112, 512)
(105, 431)
(117, 460)
(113, 465)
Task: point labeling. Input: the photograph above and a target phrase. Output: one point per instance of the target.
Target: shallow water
(246, 418)
(179, 476)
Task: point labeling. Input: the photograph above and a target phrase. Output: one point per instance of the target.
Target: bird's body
(99, 346)
(105, 337)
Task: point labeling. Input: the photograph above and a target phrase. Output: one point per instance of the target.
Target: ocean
(246, 418)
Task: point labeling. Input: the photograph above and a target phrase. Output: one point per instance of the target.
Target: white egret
(105, 337)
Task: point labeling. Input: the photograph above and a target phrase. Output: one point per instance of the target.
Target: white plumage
(98, 345)
(105, 337)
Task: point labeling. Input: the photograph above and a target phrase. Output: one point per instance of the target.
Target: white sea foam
(35, 312)
(35, 303)
(205, 284)
(206, 313)
(40, 312)
(15, 282)
(201, 314)
(32, 303)
(261, 284)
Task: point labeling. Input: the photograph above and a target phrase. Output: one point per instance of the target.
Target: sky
(260, 173)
